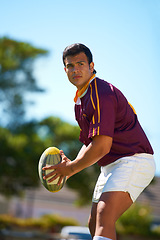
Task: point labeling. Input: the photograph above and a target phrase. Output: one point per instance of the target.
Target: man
(112, 137)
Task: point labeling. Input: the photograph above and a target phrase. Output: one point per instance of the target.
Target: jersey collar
(82, 92)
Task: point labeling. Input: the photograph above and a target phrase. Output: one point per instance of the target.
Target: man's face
(78, 70)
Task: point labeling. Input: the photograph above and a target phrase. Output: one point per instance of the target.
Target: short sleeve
(103, 120)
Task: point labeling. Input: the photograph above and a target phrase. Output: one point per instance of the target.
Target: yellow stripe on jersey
(98, 108)
(93, 132)
(92, 98)
(98, 131)
(93, 119)
(132, 108)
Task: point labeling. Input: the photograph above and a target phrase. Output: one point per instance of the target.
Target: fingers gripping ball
(50, 156)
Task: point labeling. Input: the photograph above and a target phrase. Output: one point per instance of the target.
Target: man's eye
(69, 66)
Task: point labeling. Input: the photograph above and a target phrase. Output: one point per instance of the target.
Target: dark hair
(75, 49)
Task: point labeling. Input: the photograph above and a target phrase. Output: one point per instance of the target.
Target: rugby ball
(50, 156)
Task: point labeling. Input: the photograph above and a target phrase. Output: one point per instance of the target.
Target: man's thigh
(113, 203)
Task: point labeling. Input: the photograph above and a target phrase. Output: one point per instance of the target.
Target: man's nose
(75, 68)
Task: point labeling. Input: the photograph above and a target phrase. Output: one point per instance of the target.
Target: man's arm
(81, 151)
(98, 148)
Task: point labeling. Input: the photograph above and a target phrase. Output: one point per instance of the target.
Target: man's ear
(91, 66)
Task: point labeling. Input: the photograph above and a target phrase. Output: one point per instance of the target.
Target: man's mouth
(76, 76)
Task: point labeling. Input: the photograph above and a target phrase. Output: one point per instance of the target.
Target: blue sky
(123, 35)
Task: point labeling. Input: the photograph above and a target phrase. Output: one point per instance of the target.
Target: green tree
(16, 79)
(136, 221)
(23, 142)
(21, 151)
(19, 157)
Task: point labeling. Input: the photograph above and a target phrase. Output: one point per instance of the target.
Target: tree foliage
(21, 151)
(18, 158)
(137, 213)
(16, 78)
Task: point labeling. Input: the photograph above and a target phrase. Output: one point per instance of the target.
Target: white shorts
(130, 174)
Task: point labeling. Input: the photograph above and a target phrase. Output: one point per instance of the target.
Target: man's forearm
(89, 155)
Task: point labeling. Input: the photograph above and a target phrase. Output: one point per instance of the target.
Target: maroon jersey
(103, 110)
